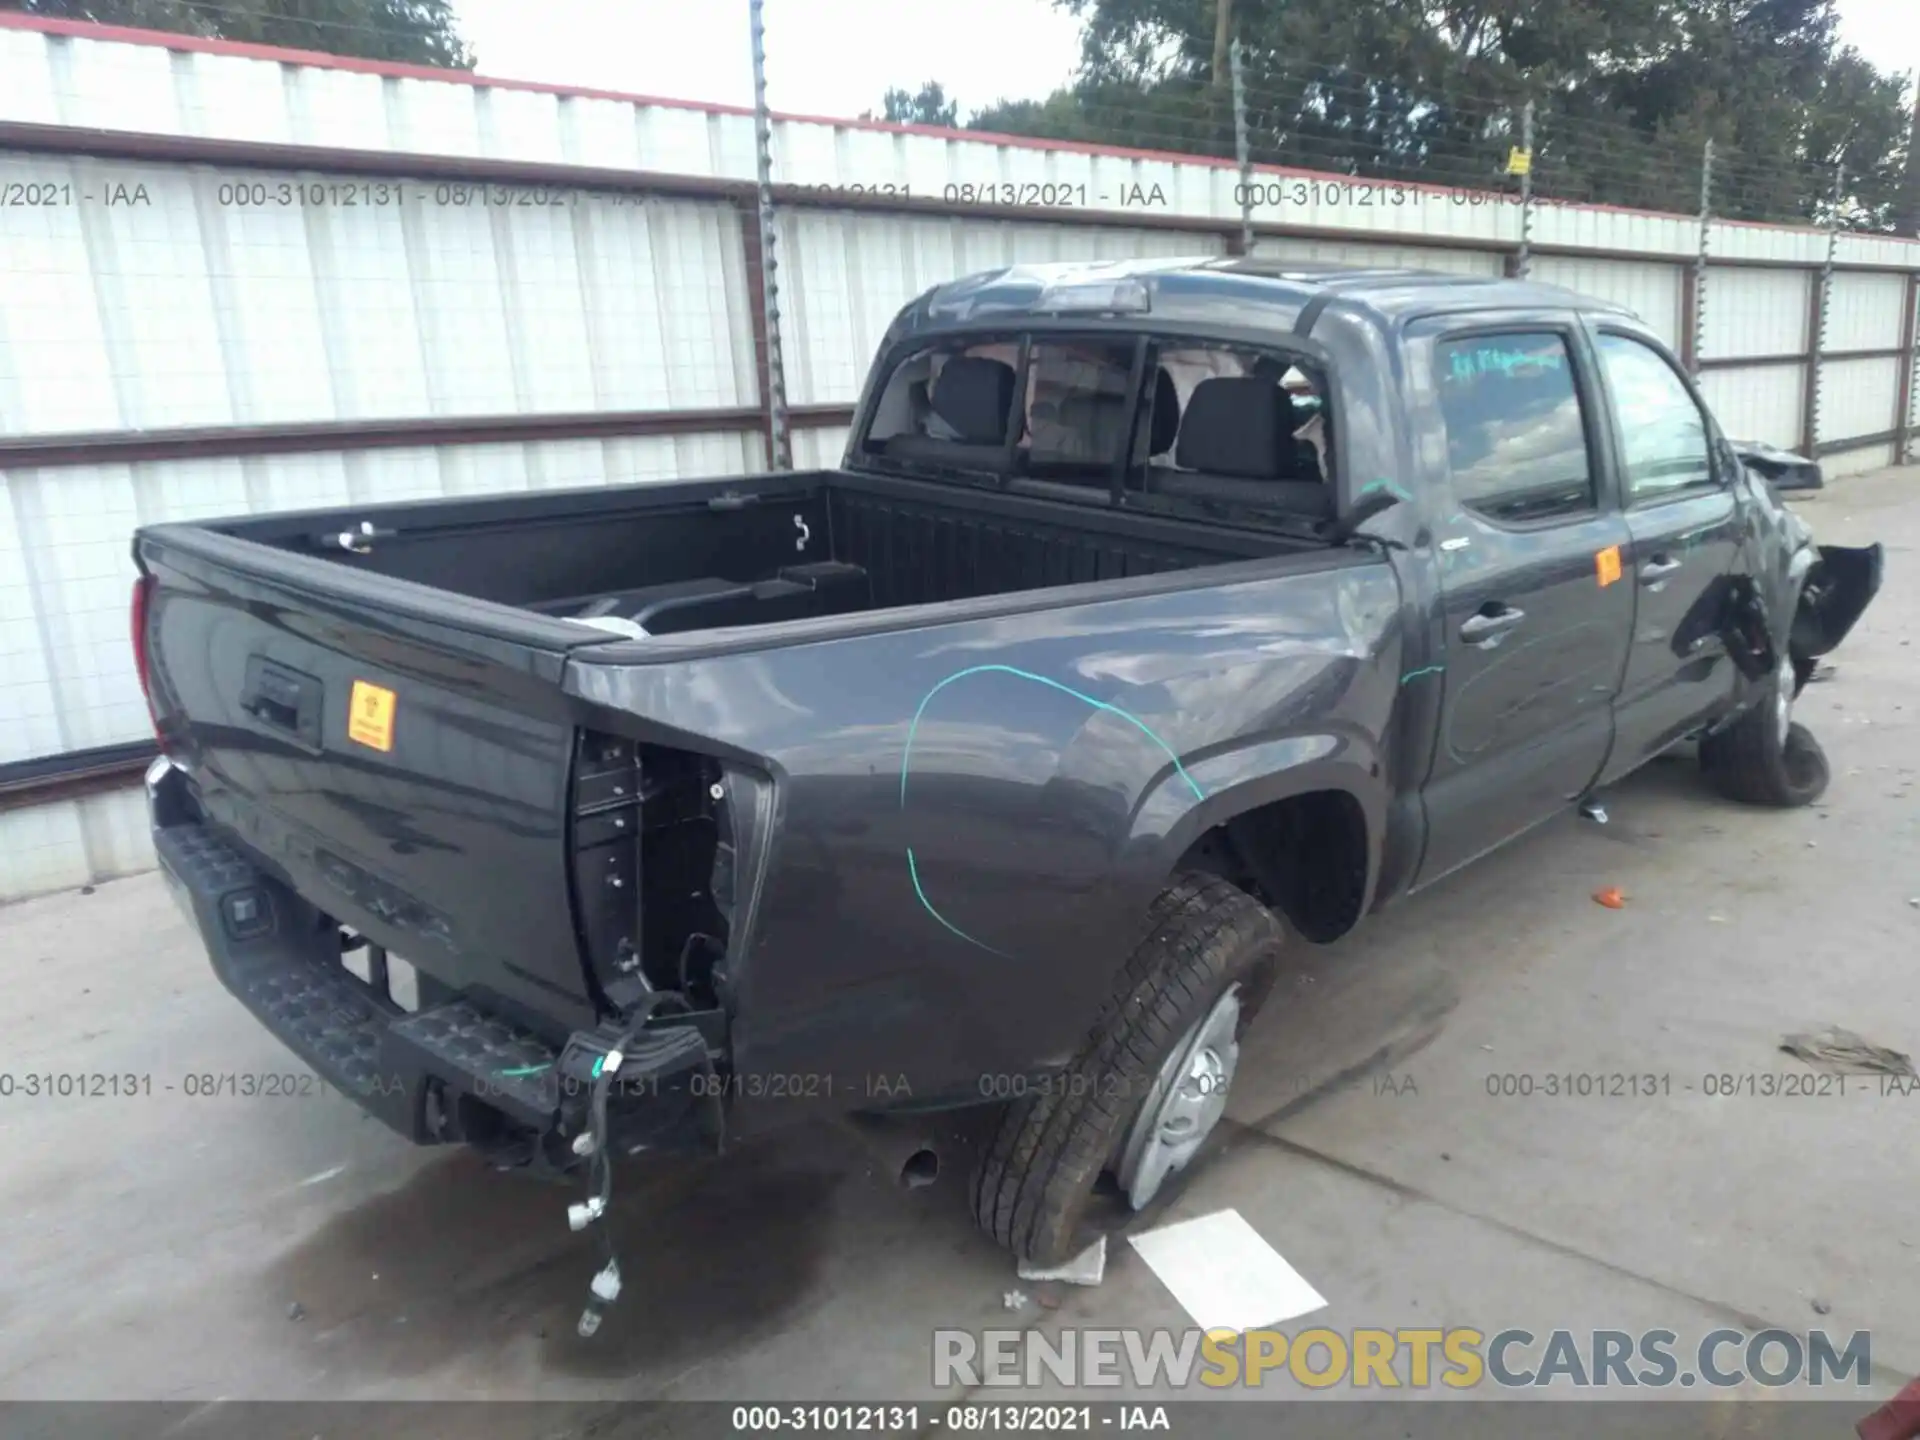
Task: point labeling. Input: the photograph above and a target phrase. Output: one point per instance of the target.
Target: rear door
(1530, 545)
(1685, 537)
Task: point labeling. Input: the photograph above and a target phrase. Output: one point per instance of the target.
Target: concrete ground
(167, 1247)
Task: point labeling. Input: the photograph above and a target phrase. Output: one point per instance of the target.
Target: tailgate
(401, 755)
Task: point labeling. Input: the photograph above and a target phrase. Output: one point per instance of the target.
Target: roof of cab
(1210, 289)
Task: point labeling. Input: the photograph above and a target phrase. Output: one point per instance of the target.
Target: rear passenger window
(1516, 440)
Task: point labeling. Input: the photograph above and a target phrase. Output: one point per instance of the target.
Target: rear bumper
(271, 950)
(449, 1072)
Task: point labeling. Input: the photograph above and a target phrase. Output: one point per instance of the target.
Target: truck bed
(729, 553)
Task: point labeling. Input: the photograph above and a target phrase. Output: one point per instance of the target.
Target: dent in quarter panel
(1044, 802)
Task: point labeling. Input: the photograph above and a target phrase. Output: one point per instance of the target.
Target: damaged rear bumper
(452, 1070)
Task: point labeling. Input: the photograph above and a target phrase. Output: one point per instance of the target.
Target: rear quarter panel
(967, 820)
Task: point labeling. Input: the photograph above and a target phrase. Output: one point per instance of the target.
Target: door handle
(1487, 629)
(282, 699)
(1657, 569)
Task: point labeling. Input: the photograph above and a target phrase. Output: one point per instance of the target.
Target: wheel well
(1305, 856)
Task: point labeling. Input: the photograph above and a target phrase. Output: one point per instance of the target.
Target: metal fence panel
(1864, 313)
(1760, 405)
(1651, 289)
(1856, 398)
(1755, 312)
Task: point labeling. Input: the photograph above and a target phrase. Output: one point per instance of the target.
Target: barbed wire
(1339, 121)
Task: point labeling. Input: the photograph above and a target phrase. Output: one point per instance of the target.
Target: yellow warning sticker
(370, 716)
(1519, 162)
(1606, 564)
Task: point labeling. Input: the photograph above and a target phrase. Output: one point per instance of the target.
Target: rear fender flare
(1216, 788)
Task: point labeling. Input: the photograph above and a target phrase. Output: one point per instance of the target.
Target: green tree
(930, 106)
(1625, 95)
(417, 32)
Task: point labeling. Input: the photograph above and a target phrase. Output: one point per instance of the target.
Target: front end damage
(1838, 587)
(1794, 595)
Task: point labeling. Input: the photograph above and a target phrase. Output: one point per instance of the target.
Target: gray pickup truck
(1157, 611)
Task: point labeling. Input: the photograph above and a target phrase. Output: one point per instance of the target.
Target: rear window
(953, 404)
(1189, 424)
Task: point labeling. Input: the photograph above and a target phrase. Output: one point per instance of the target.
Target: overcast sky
(837, 57)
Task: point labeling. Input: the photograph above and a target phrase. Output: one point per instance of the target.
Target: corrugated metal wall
(188, 291)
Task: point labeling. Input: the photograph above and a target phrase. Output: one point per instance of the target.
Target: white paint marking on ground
(324, 1175)
(1086, 1268)
(1224, 1275)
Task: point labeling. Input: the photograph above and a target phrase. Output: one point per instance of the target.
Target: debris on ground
(1613, 897)
(296, 1311)
(1086, 1268)
(1821, 673)
(1844, 1052)
(1013, 1300)
(1821, 1307)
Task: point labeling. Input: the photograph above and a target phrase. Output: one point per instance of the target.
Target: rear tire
(1035, 1182)
(1764, 757)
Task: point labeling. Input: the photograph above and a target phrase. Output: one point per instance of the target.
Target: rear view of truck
(408, 857)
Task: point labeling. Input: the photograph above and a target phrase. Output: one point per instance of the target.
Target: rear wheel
(1149, 1084)
(1765, 757)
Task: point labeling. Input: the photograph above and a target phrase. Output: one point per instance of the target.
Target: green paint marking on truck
(1416, 674)
(913, 729)
(906, 756)
(913, 870)
(520, 1070)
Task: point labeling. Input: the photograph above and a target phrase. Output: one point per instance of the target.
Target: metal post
(1907, 406)
(1242, 150)
(1822, 316)
(1699, 316)
(1523, 262)
(779, 437)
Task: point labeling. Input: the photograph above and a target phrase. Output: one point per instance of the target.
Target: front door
(1537, 610)
(1685, 530)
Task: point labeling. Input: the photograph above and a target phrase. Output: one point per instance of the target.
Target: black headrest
(1166, 413)
(973, 394)
(1236, 425)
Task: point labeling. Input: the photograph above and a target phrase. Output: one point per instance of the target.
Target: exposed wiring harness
(594, 1143)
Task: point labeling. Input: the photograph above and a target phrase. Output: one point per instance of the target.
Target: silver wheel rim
(1783, 701)
(1188, 1097)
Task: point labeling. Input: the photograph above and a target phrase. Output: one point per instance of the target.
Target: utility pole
(1222, 39)
(1907, 220)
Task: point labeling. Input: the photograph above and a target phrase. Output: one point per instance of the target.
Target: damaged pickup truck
(1156, 611)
